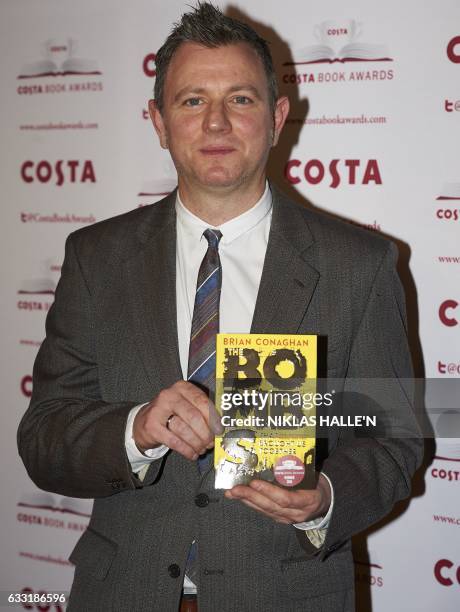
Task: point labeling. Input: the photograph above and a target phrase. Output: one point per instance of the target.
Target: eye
(192, 102)
(242, 100)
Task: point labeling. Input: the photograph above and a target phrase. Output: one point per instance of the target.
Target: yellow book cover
(265, 403)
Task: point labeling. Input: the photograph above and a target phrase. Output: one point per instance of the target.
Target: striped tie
(202, 350)
(205, 323)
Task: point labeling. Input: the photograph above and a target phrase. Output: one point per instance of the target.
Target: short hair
(208, 26)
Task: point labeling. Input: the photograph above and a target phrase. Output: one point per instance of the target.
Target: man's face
(217, 122)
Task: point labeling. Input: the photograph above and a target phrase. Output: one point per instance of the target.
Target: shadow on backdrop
(366, 572)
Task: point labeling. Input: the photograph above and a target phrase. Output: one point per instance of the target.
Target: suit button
(174, 570)
(202, 500)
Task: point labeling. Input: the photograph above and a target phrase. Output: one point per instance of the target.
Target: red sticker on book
(289, 470)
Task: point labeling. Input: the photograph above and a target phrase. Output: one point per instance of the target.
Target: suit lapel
(287, 286)
(151, 278)
(288, 281)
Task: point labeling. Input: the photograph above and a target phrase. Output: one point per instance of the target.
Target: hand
(179, 418)
(282, 505)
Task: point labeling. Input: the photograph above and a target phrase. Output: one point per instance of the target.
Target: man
(111, 415)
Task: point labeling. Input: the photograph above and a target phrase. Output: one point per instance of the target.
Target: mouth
(217, 150)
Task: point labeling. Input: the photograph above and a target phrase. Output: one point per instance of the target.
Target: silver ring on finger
(168, 422)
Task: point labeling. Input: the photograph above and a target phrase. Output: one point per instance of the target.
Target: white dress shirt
(242, 251)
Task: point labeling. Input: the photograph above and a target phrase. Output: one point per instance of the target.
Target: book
(38, 286)
(265, 402)
(351, 52)
(58, 59)
(42, 500)
(450, 191)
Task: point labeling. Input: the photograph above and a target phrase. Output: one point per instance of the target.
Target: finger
(174, 442)
(246, 493)
(195, 396)
(183, 431)
(193, 420)
(268, 505)
(215, 422)
(194, 409)
(152, 420)
(284, 497)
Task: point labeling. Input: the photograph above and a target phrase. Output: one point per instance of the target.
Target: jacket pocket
(303, 577)
(94, 554)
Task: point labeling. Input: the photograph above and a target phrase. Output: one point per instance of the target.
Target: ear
(158, 123)
(279, 116)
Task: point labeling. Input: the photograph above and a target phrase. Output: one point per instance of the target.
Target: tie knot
(213, 237)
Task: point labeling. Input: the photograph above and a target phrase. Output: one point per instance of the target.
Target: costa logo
(453, 50)
(446, 573)
(31, 305)
(450, 106)
(59, 172)
(449, 475)
(49, 521)
(26, 385)
(337, 31)
(337, 76)
(349, 171)
(148, 65)
(448, 214)
(58, 88)
(445, 313)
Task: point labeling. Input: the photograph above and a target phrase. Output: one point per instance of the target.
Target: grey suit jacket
(112, 343)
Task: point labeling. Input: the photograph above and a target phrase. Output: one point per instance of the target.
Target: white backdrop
(373, 138)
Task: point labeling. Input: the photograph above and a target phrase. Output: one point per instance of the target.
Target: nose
(216, 118)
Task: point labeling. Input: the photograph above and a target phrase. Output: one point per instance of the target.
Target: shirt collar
(236, 227)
